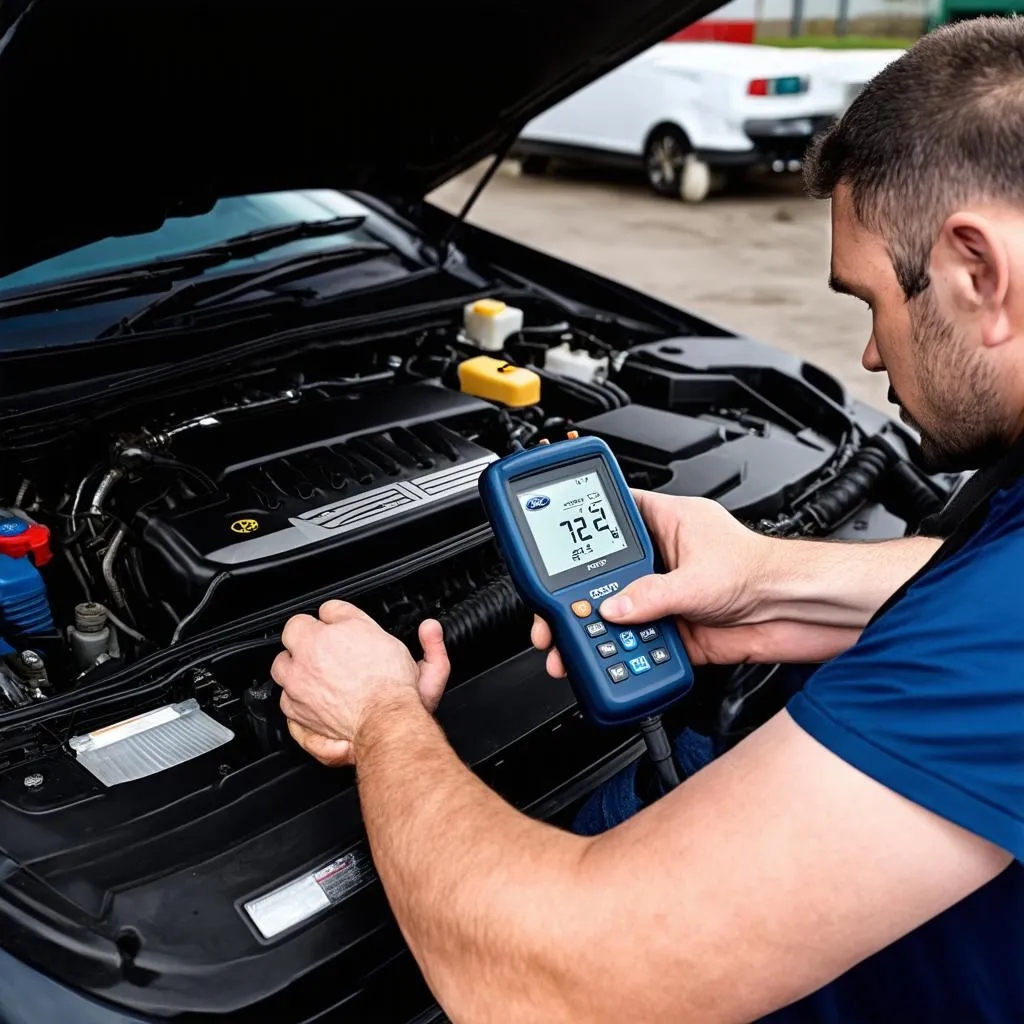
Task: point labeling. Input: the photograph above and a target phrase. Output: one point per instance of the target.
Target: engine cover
(301, 489)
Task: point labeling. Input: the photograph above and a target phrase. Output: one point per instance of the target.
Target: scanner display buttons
(618, 673)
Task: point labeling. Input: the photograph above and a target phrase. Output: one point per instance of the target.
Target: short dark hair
(941, 126)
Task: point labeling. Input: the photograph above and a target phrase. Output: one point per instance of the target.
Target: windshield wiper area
(252, 243)
(117, 284)
(208, 293)
(155, 275)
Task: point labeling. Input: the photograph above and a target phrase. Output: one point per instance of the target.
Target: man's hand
(336, 668)
(722, 588)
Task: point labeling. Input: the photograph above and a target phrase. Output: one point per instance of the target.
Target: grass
(841, 42)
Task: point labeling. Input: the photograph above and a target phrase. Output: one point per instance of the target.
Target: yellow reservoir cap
(488, 307)
(498, 381)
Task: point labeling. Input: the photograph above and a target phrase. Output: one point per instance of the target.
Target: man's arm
(725, 574)
(740, 596)
(770, 872)
(837, 583)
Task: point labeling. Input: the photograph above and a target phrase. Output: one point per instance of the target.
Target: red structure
(716, 32)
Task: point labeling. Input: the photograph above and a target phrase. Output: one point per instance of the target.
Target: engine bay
(153, 546)
(185, 513)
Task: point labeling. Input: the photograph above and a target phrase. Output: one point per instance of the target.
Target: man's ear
(971, 261)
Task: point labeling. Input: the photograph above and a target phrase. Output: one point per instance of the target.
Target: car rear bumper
(772, 140)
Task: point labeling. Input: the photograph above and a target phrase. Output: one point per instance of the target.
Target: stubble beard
(961, 391)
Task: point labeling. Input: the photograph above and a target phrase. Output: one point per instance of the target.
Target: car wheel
(665, 160)
(672, 169)
(534, 164)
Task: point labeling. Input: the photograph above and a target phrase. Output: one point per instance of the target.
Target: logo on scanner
(538, 501)
(598, 592)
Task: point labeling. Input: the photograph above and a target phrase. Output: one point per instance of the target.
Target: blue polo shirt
(930, 703)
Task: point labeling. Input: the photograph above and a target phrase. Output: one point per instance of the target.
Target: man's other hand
(336, 668)
(714, 565)
(718, 587)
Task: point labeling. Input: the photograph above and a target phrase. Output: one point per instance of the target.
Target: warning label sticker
(298, 900)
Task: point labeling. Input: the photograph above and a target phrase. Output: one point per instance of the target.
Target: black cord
(660, 751)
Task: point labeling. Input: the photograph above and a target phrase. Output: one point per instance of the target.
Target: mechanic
(857, 858)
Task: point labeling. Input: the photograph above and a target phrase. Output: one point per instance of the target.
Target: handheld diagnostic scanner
(572, 535)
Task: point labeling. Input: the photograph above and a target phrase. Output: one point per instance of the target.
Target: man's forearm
(834, 583)
(475, 886)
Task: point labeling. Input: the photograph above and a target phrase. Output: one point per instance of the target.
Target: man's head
(926, 175)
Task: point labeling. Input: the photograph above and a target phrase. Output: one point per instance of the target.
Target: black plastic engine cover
(300, 488)
(728, 419)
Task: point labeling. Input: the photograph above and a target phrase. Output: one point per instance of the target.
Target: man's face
(941, 375)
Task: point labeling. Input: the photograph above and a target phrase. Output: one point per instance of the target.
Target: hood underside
(116, 115)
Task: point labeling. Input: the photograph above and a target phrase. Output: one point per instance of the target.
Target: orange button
(581, 609)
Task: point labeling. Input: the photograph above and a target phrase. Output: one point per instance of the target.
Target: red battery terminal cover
(19, 538)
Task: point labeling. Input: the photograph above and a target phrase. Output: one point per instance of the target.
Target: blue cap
(11, 526)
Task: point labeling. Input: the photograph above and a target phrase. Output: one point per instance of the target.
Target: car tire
(534, 164)
(672, 168)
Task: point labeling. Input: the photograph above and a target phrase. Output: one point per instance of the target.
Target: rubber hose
(613, 388)
(911, 496)
(496, 605)
(607, 392)
(837, 499)
(585, 393)
(855, 482)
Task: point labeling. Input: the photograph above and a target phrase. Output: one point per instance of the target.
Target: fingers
(332, 753)
(651, 503)
(541, 638)
(540, 634)
(290, 709)
(296, 712)
(281, 668)
(339, 611)
(435, 666)
(297, 628)
(650, 597)
(642, 497)
(554, 664)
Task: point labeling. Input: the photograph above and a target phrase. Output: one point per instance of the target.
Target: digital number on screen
(572, 522)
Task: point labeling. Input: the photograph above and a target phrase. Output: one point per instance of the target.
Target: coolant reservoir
(90, 637)
(488, 323)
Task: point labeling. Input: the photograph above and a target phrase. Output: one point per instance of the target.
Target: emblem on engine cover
(245, 526)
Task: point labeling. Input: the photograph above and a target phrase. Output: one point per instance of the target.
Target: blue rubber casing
(606, 702)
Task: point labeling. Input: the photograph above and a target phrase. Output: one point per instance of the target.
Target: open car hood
(116, 114)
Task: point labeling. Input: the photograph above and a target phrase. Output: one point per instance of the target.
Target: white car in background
(689, 113)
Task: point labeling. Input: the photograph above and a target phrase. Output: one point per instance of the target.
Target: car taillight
(789, 86)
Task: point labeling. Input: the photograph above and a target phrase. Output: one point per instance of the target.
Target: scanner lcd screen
(572, 522)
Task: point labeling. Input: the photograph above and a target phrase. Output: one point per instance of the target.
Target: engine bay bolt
(33, 781)
(32, 670)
